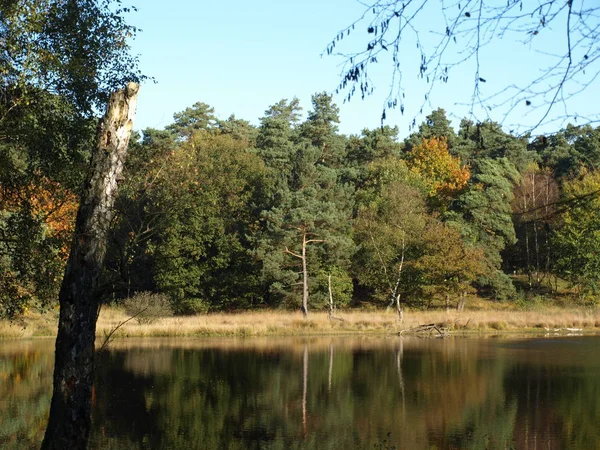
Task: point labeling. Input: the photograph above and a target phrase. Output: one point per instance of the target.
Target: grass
(286, 323)
(32, 325)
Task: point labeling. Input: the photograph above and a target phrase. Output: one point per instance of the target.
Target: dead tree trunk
(69, 422)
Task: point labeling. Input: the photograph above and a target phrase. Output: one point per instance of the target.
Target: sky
(242, 56)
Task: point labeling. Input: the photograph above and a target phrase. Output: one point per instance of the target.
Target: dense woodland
(224, 215)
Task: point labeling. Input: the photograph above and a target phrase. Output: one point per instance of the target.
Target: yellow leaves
(441, 172)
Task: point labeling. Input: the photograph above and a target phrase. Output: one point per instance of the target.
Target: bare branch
(471, 26)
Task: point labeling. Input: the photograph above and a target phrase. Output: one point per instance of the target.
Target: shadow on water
(320, 393)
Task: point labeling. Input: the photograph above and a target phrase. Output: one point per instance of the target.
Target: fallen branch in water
(428, 328)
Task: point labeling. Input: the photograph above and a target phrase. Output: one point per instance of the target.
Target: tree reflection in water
(320, 393)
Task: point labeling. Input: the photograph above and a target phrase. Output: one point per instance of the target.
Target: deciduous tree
(577, 238)
(442, 173)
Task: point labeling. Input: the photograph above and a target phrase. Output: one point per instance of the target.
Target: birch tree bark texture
(69, 422)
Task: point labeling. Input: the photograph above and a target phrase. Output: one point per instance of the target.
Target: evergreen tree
(320, 129)
(369, 146)
(436, 125)
(483, 215)
(308, 229)
(488, 140)
(315, 213)
(571, 151)
(199, 116)
(239, 129)
(277, 137)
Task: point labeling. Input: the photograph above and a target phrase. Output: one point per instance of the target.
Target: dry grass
(33, 325)
(285, 323)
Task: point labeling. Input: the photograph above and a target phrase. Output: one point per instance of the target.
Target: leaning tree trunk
(69, 422)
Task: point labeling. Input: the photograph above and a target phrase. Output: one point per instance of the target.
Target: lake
(320, 393)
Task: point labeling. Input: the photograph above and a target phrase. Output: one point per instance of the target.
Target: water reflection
(25, 392)
(324, 393)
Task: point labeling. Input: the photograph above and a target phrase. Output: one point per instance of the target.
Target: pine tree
(483, 214)
(308, 228)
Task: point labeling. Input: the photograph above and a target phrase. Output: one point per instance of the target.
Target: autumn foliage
(50, 203)
(441, 172)
(37, 221)
(56, 206)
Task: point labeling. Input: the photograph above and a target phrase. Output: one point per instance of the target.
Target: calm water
(325, 393)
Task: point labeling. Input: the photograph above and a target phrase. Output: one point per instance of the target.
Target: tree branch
(292, 253)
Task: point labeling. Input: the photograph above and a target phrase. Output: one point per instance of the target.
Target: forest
(283, 212)
(223, 215)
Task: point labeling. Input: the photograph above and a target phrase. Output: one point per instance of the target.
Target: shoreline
(558, 321)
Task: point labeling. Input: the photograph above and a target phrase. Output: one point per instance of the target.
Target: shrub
(148, 307)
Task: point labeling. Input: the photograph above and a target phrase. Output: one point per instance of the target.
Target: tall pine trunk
(304, 278)
(69, 422)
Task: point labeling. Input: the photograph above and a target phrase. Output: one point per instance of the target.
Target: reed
(286, 323)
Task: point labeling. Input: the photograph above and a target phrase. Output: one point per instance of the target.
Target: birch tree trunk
(395, 293)
(69, 422)
(331, 309)
(399, 309)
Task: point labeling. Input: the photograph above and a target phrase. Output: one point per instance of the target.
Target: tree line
(224, 215)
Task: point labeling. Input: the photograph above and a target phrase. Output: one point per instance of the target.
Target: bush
(148, 307)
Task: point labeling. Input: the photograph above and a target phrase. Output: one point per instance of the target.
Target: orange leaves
(55, 205)
(441, 172)
(49, 202)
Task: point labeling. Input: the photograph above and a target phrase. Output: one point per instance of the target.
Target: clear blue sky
(242, 56)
